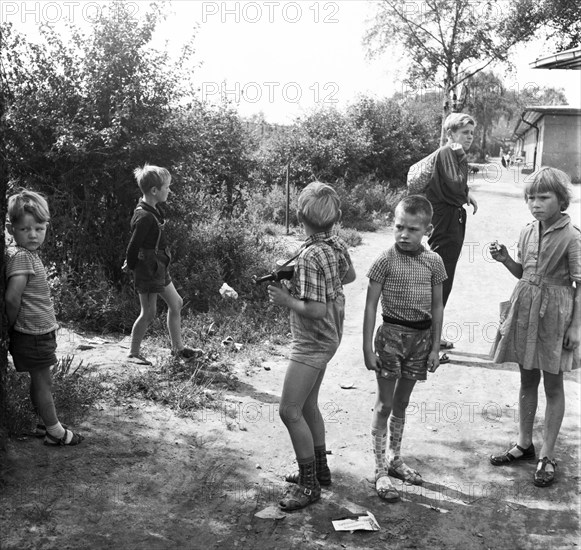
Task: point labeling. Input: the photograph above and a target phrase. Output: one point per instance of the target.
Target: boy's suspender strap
(159, 226)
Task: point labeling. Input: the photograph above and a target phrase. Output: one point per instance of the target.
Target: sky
(282, 58)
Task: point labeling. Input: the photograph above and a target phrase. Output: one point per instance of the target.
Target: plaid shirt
(321, 268)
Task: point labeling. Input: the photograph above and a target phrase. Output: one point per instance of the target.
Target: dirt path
(146, 479)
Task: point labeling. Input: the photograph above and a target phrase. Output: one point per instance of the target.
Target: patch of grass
(182, 386)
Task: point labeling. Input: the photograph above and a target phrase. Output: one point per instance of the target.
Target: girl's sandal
(542, 477)
(53, 441)
(508, 458)
(401, 470)
(385, 489)
(297, 497)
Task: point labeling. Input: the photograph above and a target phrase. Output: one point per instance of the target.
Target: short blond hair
(550, 180)
(455, 121)
(150, 176)
(319, 206)
(28, 202)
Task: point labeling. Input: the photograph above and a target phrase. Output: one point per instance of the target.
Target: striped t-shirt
(407, 280)
(36, 313)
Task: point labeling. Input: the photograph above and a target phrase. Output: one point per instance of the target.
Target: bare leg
(148, 308)
(300, 381)
(527, 406)
(401, 396)
(174, 315)
(554, 412)
(383, 403)
(313, 416)
(41, 395)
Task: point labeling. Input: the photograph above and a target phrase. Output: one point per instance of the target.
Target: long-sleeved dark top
(144, 232)
(449, 181)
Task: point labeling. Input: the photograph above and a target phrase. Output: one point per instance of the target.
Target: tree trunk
(3, 319)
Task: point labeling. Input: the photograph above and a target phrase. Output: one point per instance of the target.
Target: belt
(542, 282)
(419, 325)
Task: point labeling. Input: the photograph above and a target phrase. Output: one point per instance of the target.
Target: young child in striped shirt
(31, 318)
(408, 278)
(317, 309)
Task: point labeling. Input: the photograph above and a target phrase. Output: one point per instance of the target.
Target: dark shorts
(151, 274)
(403, 351)
(32, 352)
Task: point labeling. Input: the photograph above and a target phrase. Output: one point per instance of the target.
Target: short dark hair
(417, 205)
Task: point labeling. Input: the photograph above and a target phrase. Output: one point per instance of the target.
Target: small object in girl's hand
(497, 246)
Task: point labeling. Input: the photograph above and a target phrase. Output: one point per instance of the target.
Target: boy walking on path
(31, 319)
(408, 278)
(317, 309)
(148, 258)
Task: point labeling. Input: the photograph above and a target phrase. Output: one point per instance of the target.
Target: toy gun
(283, 271)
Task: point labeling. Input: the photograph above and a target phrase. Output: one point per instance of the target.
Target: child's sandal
(297, 497)
(508, 458)
(53, 441)
(40, 430)
(401, 470)
(385, 489)
(542, 477)
(139, 359)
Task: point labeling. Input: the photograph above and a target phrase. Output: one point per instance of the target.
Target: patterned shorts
(403, 351)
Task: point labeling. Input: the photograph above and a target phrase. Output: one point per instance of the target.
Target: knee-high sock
(379, 441)
(395, 428)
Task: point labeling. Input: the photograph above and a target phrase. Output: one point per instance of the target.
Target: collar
(411, 253)
(319, 237)
(153, 210)
(559, 224)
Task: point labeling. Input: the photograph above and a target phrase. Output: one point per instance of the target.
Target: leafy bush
(92, 301)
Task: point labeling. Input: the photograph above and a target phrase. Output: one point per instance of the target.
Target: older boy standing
(448, 192)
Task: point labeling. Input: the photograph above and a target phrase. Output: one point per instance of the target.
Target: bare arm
(14, 289)
(373, 294)
(571, 340)
(307, 308)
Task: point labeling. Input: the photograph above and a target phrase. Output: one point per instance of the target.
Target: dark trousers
(447, 239)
